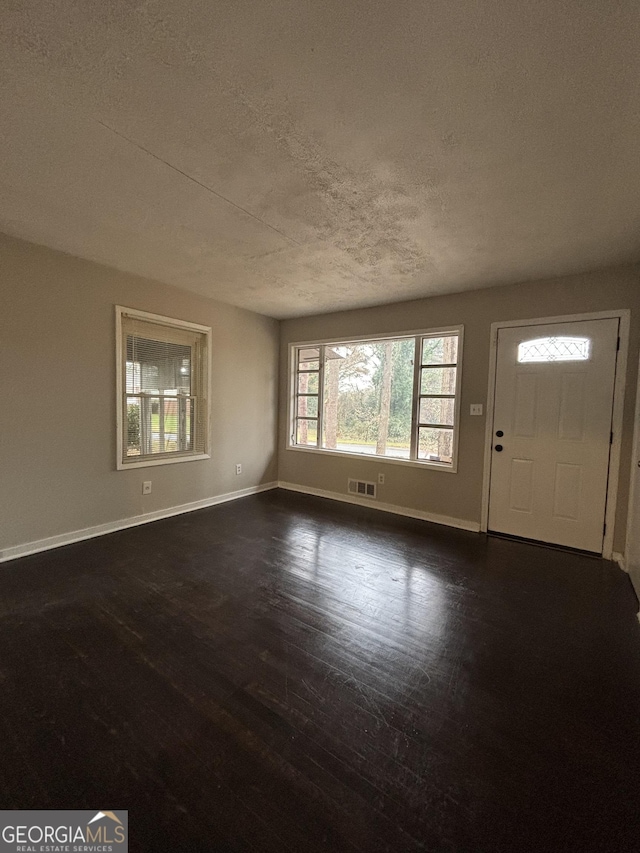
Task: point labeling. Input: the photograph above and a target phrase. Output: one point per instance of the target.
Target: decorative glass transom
(554, 349)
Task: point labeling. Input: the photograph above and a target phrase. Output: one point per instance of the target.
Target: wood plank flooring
(284, 673)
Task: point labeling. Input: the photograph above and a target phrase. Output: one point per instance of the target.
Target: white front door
(552, 431)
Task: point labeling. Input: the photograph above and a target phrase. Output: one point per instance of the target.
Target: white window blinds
(164, 405)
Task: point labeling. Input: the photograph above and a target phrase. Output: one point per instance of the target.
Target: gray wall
(57, 392)
(442, 492)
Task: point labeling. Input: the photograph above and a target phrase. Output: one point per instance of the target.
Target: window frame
(417, 335)
(173, 457)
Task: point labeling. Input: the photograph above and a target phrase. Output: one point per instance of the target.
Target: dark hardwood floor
(285, 673)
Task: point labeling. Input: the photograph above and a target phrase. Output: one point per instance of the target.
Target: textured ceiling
(296, 156)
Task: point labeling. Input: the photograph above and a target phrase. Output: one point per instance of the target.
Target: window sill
(168, 460)
(411, 463)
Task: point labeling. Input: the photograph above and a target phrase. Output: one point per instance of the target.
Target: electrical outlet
(475, 409)
(381, 479)
(146, 487)
(238, 468)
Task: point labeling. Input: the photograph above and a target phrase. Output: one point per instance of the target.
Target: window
(554, 349)
(397, 398)
(163, 371)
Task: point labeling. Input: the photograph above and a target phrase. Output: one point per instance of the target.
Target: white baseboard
(112, 526)
(449, 521)
(620, 560)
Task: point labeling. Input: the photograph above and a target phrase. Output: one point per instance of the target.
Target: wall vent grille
(362, 488)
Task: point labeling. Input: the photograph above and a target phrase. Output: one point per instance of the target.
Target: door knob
(499, 433)
(498, 448)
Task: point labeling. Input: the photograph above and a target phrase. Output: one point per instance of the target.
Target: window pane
(436, 410)
(155, 423)
(159, 425)
(309, 358)
(435, 445)
(368, 390)
(554, 349)
(308, 383)
(438, 380)
(172, 424)
(306, 432)
(133, 426)
(157, 366)
(442, 350)
(307, 407)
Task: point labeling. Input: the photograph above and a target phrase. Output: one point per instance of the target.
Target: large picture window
(397, 398)
(162, 389)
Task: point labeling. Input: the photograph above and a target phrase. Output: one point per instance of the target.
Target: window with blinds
(162, 389)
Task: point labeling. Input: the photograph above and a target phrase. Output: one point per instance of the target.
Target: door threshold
(555, 547)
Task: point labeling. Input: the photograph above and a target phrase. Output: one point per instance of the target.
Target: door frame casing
(634, 497)
(623, 315)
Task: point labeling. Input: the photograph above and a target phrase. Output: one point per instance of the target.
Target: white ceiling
(299, 156)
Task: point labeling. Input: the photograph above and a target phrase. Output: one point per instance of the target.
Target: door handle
(498, 448)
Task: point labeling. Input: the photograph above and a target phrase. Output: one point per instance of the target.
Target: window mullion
(161, 439)
(415, 403)
(181, 422)
(321, 363)
(194, 411)
(123, 438)
(145, 425)
(293, 426)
